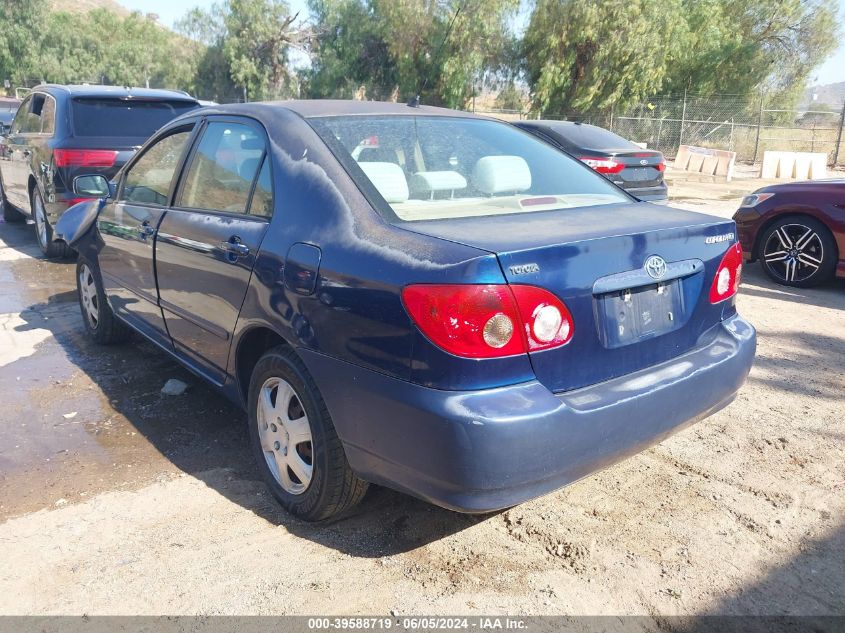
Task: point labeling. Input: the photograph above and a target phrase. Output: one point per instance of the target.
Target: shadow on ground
(203, 434)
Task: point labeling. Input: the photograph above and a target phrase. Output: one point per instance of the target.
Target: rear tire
(290, 426)
(101, 325)
(798, 251)
(44, 232)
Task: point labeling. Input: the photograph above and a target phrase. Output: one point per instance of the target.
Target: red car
(796, 230)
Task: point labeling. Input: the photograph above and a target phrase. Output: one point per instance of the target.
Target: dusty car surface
(415, 297)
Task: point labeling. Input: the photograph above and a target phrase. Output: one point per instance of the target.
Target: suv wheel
(798, 251)
(294, 441)
(51, 249)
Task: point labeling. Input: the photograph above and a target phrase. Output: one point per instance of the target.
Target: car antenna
(414, 102)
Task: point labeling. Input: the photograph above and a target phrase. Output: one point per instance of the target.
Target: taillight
(728, 275)
(84, 157)
(545, 319)
(603, 165)
(488, 321)
(661, 166)
(73, 201)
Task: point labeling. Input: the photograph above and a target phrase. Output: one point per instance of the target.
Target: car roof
(92, 90)
(310, 108)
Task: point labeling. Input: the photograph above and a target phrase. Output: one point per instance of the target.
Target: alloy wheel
(40, 219)
(793, 253)
(88, 293)
(285, 435)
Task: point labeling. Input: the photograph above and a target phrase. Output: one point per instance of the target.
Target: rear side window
(123, 117)
(148, 180)
(223, 168)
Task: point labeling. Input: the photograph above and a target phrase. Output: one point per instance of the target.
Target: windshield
(96, 116)
(428, 168)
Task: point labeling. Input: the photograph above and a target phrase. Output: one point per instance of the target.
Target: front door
(128, 227)
(208, 242)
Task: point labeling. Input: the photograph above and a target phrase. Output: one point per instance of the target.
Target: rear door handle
(235, 247)
(145, 230)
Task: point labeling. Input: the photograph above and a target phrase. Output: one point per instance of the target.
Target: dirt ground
(115, 499)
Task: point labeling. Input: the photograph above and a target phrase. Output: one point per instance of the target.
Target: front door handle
(235, 247)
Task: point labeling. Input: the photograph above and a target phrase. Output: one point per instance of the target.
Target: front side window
(428, 168)
(223, 168)
(148, 180)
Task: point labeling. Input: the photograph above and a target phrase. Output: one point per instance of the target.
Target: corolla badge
(655, 266)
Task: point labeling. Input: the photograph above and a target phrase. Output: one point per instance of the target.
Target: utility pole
(838, 137)
(759, 124)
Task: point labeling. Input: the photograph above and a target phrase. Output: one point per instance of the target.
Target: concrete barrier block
(703, 160)
(798, 165)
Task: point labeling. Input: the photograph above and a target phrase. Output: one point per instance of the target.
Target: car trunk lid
(593, 258)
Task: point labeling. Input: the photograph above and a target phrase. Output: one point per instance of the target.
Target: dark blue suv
(416, 297)
(62, 132)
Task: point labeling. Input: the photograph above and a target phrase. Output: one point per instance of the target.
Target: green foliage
(510, 98)
(587, 55)
(20, 23)
(247, 43)
(583, 55)
(391, 49)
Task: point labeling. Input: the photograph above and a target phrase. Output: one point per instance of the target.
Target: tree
(396, 49)
(739, 47)
(20, 26)
(248, 43)
(586, 55)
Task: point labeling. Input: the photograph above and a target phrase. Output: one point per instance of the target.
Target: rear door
(208, 242)
(128, 226)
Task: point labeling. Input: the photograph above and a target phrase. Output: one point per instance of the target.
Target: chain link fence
(746, 126)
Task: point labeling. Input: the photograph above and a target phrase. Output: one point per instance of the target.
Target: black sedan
(638, 171)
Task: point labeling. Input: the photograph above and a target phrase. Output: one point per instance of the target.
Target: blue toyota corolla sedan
(415, 297)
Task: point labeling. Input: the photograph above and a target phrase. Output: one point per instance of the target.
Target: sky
(832, 71)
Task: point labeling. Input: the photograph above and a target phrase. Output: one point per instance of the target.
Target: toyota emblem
(655, 266)
(643, 162)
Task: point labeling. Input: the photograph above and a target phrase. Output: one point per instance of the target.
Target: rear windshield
(428, 168)
(124, 117)
(591, 137)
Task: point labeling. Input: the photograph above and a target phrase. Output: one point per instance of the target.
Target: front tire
(294, 440)
(798, 251)
(101, 325)
(44, 232)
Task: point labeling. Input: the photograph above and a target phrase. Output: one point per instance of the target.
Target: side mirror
(92, 187)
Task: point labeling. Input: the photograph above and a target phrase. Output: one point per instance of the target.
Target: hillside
(828, 94)
(83, 6)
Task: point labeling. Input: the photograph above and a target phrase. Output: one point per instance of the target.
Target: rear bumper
(478, 451)
(650, 194)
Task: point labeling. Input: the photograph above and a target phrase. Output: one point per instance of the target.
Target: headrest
(389, 179)
(431, 181)
(499, 174)
(252, 142)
